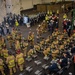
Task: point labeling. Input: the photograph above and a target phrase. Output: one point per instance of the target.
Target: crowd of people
(58, 45)
(52, 19)
(11, 18)
(67, 26)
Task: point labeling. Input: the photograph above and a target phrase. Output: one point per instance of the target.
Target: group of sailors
(13, 19)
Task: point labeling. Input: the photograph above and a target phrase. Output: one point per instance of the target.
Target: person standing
(16, 23)
(73, 49)
(0, 30)
(11, 63)
(5, 30)
(7, 27)
(50, 27)
(2, 66)
(20, 60)
(69, 31)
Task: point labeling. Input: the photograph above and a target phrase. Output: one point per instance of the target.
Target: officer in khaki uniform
(2, 67)
(20, 60)
(11, 63)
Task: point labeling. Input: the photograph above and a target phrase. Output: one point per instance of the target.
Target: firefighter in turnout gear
(5, 52)
(1, 41)
(20, 60)
(11, 63)
(25, 45)
(17, 45)
(2, 67)
(10, 40)
(31, 38)
(39, 32)
(30, 53)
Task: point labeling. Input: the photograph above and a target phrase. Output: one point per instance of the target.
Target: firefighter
(19, 36)
(2, 67)
(1, 41)
(10, 40)
(13, 33)
(25, 45)
(20, 60)
(44, 26)
(37, 47)
(46, 52)
(5, 52)
(11, 63)
(39, 32)
(55, 53)
(31, 38)
(30, 53)
(17, 45)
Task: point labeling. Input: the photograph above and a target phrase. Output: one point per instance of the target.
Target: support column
(8, 6)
